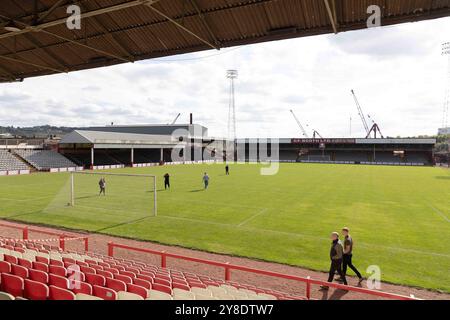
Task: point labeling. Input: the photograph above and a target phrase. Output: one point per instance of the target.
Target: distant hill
(36, 132)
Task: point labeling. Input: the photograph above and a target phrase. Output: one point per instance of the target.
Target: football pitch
(399, 216)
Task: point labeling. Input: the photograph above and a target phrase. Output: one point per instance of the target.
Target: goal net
(112, 192)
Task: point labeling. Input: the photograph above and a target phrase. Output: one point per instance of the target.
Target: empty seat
(34, 290)
(10, 258)
(136, 289)
(25, 263)
(37, 275)
(104, 293)
(6, 296)
(57, 293)
(19, 271)
(123, 278)
(201, 291)
(83, 296)
(12, 284)
(180, 294)
(58, 270)
(80, 287)
(143, 283)
(162, 288)
(58, 281)
(116, 285)
(40, 266)
(122, 295)
(95, 279)
(5, 267)
(158, 295)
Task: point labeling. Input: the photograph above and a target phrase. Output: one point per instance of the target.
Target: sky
(397, 72)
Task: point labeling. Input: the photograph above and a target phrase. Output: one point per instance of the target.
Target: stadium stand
(45, 159)
(8, 162)
(38, 271)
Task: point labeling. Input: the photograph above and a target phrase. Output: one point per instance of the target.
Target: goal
(123, 192)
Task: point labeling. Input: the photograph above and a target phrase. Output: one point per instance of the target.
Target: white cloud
(397, 73)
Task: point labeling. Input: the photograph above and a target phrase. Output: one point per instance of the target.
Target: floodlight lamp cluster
(232, 74)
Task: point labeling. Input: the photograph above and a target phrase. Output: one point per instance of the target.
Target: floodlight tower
(232, 74)
(446, 52)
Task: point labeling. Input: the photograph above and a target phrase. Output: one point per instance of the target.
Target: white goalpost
(119, 183)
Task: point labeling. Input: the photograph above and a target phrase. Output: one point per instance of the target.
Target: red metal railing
(62, 238)
(229, 267)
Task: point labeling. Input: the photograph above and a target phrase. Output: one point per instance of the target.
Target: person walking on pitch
(102, 185)
(206, 180)
(166, 181)
(227, 170)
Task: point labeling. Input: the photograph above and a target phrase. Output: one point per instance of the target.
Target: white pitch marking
(262, 211)
(439, 212)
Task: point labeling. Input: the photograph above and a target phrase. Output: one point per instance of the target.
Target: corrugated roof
(118, 31)
(101, 137)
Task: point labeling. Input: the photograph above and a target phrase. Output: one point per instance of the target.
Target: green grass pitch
(398, 216)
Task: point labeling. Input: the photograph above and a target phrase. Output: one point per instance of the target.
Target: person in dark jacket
(166, 181)
(102, 185)
(347, 256)
(336, 256)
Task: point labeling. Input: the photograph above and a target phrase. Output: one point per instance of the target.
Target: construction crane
(375, 129)
(316, 134)
(176, 118)
(361, 113)
(300, 125)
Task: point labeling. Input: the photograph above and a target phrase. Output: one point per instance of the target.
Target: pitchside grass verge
(399, 217)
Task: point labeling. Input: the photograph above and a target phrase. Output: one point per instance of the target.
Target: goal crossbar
(72, 186)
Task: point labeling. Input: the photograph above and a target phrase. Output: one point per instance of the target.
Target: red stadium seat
(180, 286)
(116, 285)
(40, 266)
(59, 271)
(61, 294)
(162, 288)
(34, 290)
(85, 269)
(37, 275)
(25, 263)
(106, 274)
(104, 265)
(81, 263)
(136, 289)
(58, 263)
(112, 270)
(133, 269)
(5, 267)
(96, 267)
(128, 273)
(162, 281)
(42, 260)
(145, 277)
(19, 271)
(12, 284)
(90, 262)
(10, 259)
(95, 279)
(123, 278)
(18, 249)
(143, 283)
(81, 287)
(69, 261)
(58, 281)
(104, 293)
(195, 284)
